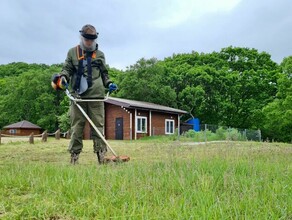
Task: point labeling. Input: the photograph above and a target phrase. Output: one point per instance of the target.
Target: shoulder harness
(82, 62)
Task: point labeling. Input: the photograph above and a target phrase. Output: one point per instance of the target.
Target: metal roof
(23, 124)
(127, 103)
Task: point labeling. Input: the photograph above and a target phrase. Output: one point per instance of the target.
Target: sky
(42, 31)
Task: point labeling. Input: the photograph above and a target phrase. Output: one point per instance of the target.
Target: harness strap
(89, 69)
(80, 53)
(80, 56)
(81, 64)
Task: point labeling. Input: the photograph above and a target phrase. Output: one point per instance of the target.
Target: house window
(169, 126)
(12, 131)
(141, 124)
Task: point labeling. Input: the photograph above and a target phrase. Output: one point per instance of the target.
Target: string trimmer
(115, 157)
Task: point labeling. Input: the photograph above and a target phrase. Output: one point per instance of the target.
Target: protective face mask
(85, 45)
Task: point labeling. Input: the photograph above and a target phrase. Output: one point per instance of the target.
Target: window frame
(12, 131)
(170, 121)
(140, 129)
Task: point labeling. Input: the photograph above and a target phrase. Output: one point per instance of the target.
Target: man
(87, 75)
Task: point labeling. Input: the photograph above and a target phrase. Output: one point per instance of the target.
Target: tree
(278, 113)
(29, 96)
(144, 81)
(236, 82)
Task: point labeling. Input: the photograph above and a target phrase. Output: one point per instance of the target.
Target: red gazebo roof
(23, 124)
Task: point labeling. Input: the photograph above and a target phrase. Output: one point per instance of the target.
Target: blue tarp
(195, 122)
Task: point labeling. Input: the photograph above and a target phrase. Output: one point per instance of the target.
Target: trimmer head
(118, 159)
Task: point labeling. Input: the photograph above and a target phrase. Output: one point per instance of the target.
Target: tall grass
(163, 180)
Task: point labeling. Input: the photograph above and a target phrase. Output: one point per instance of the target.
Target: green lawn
(163, 180)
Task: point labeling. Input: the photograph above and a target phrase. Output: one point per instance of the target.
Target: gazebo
(22, 128)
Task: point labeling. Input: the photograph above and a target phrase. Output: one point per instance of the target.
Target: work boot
(100, 156)
(74, 158)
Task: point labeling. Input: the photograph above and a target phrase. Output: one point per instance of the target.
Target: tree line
(237, 87)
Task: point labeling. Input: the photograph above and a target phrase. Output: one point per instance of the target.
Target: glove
(59, 82)
(112, 87)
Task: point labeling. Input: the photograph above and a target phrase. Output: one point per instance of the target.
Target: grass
(163, 180)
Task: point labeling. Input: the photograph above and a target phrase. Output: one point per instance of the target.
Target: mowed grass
(163, 180)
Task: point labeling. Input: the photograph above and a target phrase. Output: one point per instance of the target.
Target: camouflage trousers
(95, 111)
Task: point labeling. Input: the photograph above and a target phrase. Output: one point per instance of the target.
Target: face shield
(88, 44)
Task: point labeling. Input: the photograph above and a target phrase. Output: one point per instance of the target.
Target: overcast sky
(42, 31)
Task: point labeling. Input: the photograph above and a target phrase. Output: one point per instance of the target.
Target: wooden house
(22, 128)
(130, 120)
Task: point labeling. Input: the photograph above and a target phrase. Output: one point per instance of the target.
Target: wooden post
(205, 133)
(57, 134)
(260, 135)
(31, 139)
(68, 134)
(45, 136)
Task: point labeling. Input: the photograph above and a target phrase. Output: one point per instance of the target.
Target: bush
(234, 135)
(190, 134)
(221, 133)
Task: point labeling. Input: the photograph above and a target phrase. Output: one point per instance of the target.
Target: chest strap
(82, 62)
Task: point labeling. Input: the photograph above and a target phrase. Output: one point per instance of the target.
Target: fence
(209, 132)
(214, 132)
(43, 137)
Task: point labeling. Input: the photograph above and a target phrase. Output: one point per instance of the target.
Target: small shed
(22, 128)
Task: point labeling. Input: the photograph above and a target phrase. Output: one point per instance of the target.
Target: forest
(237, 87)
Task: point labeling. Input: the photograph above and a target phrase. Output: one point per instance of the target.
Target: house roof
(23, 124)
(127, 103)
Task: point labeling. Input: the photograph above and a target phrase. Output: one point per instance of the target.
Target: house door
(119, 129)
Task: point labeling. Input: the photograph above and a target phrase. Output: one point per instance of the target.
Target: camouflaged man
(85, 70)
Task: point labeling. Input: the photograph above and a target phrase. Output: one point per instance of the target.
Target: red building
(22, 128)
(130, 120)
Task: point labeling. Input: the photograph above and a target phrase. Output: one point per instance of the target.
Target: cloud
(175, 13)
(36, 31)
(258, 24)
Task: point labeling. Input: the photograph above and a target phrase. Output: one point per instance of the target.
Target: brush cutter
(115, 157)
